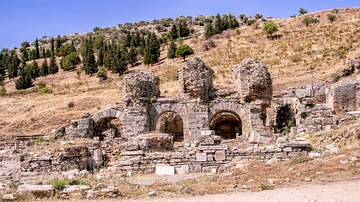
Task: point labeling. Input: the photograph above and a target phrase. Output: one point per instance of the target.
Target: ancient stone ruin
(201, 130)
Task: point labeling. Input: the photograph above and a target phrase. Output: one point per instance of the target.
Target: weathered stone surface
(252, 80)
(37, 189)
(155, 141)
(201, 157)
(341, 98)
(207, 45)
(162, 169)
(195, 79)
(140, 85)
(220, 155)
(260, 135)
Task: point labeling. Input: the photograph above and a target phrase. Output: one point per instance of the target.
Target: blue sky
(26, 20)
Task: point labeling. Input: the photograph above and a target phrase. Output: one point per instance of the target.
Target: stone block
(163, 169)
(183, 169)
(341, 98)
(207, 132)
(201, 157)
(300, 93)
(287, 149)
(220, 155)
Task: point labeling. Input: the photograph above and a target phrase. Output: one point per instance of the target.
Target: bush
(102, 74)
(3, 91)
(45, 91)
(42, 84)
(266, 187)
(308, 20)
(358, 134)
(68, 62)
(335, 77)
(331, 18)
(59, 184)
(183, 51)
(270, 28)
(23, 82)
(250, 22)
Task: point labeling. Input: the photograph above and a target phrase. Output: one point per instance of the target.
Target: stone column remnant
(195, 79)
(252, 80)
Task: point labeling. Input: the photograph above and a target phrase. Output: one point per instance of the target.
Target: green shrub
(59, 184)
(250, 22)
(3, 91)
(266, 187)
(358, 134)
(335, 77)
(102, 74)
(308, 20)
(42, 84)
(331, 18)
(45, 91)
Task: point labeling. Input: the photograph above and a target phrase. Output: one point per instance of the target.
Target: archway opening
(226, 124)
(285, 118)
(107, 128)
(171, 123)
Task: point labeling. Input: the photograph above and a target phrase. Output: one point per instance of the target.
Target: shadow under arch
(226, 124)
(170, 122)
(110, 125)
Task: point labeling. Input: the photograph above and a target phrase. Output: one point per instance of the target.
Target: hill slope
(298, 56)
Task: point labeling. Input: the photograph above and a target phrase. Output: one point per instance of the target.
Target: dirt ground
(326, 191)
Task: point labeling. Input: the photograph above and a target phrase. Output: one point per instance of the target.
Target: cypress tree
(152, 49)
(36, 70)
(37, 52)
(89, 63)
(13, 66)
(171, 54)
(53, 67)
(183, 29)
(131, 55)
(44, 68)
(127, 41)
(173, 34)
(52, 44)
(218, 24)
(209, 30)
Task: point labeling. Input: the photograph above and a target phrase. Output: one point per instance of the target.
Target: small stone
(91, 194)
(287, 180)
(290, 169)
(307, 179)
(245, 187)
(251, 180)
(343, 162)
(152, 194)
(271, 161)
(8, 197)
(271, 180)
(319, 173)
(234, 186)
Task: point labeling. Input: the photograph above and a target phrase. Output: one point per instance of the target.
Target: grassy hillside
(297, 56)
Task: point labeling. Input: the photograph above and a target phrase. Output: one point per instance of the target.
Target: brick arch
(225, 119)
(157, 110)
(108, 113)
(104, 117)
(237, 109)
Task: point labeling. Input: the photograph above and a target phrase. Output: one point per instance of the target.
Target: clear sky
(26, 20)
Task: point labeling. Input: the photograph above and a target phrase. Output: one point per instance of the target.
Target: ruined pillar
(195, 79)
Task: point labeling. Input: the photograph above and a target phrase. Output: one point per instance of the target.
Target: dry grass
(300, 56)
